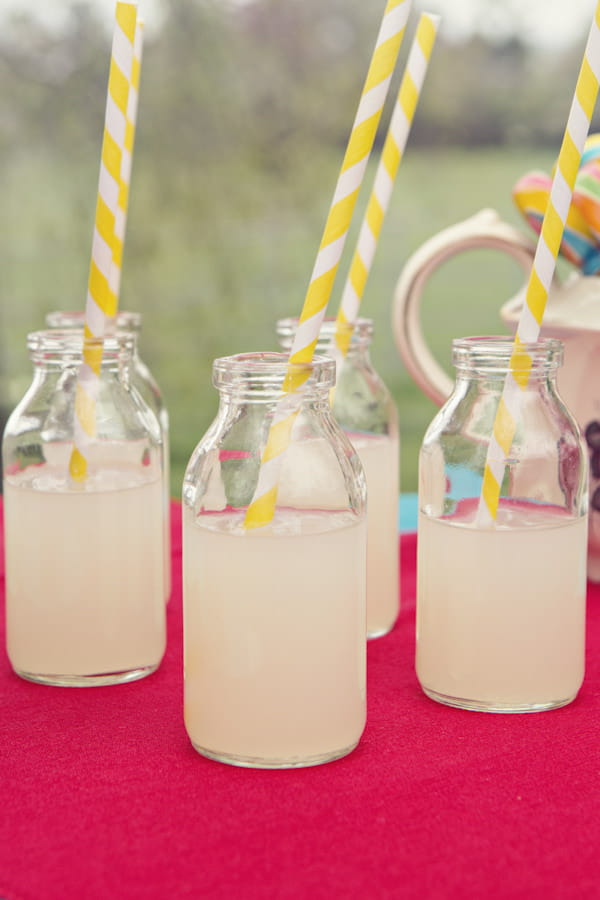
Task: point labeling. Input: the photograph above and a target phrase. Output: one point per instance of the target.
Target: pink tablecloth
(103, 798)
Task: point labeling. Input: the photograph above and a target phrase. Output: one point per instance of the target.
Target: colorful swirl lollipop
(581, 238)
(579, 246)
(586, 196)
(591, 150)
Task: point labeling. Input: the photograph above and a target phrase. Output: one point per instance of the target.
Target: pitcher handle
(483, 230)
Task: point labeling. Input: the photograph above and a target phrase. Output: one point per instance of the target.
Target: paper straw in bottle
(393, 25)
(101, 302)
(542, 272)
(387, 169)
(127, 159)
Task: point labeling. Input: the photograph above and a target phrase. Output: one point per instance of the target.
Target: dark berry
(596, 500)
(592, 435)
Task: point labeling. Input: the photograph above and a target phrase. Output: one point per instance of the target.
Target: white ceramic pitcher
(572, 315)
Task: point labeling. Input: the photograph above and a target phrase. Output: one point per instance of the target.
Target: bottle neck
(493, 359)
(123, 321)
(268, 377)
(127, 322)
(56, 349)
(357, 338)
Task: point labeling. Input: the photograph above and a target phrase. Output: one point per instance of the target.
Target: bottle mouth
(361, 331)
(55, 344)
(499, 354)
(272, 372)
(71, 318)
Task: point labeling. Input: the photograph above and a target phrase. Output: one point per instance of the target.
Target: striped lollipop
(591, 150)
(261, 509)
(586, 197)
(580, 243)
(531, 194)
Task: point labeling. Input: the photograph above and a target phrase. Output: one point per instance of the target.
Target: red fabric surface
(102, 796)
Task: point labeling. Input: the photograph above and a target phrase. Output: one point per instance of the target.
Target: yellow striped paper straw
(261, 509)
(127, 159)
(542, 272)
(101, 302)
(383, 185)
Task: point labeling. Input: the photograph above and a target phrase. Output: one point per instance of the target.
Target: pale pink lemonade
(274, 636)
(379, 455)
(501, 612)
(84, 574)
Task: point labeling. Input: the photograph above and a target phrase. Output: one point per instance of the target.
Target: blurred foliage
(220, 78)
(244, 115)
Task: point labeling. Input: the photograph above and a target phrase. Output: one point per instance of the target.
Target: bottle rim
(361, 330)
(50, 344)
(500, 354)
(268, 369)
(124, 320)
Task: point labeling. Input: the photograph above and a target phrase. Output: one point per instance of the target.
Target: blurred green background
(244, 114)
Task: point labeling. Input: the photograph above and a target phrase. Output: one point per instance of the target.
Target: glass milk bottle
(274, 616)
(501, 603)
(364, 408)
(84, 561)
(143, 380)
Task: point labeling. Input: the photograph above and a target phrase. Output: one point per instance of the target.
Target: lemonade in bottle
(274, 616)
(501, 604)
(84, 560)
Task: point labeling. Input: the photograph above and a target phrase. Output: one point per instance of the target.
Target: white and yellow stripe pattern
(261, 509)
(542, 272)
(127, 159)
(107, 248)
(383, 185)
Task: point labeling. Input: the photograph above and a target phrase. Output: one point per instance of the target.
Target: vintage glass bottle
(365, 410)
(274, 616)
(84, 560)
(501, 600)
(144, 381)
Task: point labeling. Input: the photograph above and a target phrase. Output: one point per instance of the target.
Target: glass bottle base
(104, 678)
(492, 707)
(252, 762)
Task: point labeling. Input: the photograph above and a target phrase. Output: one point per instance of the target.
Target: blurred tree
(472, 97)
(56, 82)
(269, 79)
